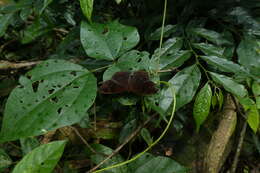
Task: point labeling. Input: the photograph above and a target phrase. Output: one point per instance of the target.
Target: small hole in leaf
(35, 86)
(51, 91)
(21, 101)
(125, 38)
(74, 73)
(55, 99)
(59, 110)
(139, 60)
(105, 31)
(59, 86)
(76, 87)
(41, 81)
(29, 76)
(43, 97)
(42, 163)
(66, 105)
(36, 100)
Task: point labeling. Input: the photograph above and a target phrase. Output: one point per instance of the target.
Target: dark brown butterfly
(136, 82)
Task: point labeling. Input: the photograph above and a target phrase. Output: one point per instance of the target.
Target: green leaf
(220, 99)
(225, 65)
(253, 118)
(56, 93)
(174, 60)
(130, 61)
(185, 83)
(33, 31)
(118, 1)
(168, 29)
(128, 128)
(5, 20)
(229, 85)
(201, 106)
(40, 5)
(146, 136)
(5, 160)
(107, 41)
(42, 159)
(256, 92)
(209, 49)
(97, 158)
(28, 144)
(210, 35)
(149, 163)
(252, 112)
(87, 8)
(170, 47)
(248, 54)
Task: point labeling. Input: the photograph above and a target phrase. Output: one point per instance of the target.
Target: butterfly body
(135, 82)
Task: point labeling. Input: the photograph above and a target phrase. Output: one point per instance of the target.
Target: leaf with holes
(107, 41)
(42, 159)
(202, 106)
(130, 61)
(185, 82)
(56, 93)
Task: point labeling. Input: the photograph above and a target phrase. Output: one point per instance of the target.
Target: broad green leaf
(5, 160)
(253, 118)
(33, 31)
(174, 60)
(185, 84)
(225, 65)
(56, 93)
(107, 41)
(152, 164)
(229, 85)
(130, 61)
(201, 106)
(5, 20)
(97, 158)
(249, 54)
(209, 49)
(87, 8)
(170, 47)
(146, 136)
(210, 35)
(252, 112)
(168, 29)
(42, 159)
(256, 92)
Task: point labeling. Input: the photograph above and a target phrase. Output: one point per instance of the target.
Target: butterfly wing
(118, 84)
(140, 84)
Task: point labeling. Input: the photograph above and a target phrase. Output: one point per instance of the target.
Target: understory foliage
(54, 55)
